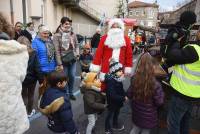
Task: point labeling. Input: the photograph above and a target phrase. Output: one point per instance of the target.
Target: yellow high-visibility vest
(186, 77)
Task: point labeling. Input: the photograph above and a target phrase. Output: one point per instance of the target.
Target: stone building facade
(49, 12)
(145, 13)
(173, 16)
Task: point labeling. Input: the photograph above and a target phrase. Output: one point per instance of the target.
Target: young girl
(146, 95)
(56, 106)
(94, 101)
(86, 58)
(115, 96)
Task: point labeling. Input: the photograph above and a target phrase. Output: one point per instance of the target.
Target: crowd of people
(28, 56)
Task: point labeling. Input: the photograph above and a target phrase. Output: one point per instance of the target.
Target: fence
(84, 29)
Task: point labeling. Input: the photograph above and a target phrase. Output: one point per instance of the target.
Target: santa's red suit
(106, 51)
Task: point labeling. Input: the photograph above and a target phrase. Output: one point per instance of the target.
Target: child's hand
(41, 85)
(126, 98)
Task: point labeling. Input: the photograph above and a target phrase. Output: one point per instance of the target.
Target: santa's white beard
(115, 38)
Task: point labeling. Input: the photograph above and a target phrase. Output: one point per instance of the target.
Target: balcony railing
(68, 3)
(91, 11)
(81, 5)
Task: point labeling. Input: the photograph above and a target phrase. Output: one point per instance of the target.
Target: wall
(83, 24)
(5, 9)
(17, 9)
(107, 6)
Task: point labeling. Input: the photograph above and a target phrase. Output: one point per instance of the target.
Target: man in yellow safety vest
(185, 79)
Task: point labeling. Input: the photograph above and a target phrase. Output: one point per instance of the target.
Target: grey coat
(60, 50)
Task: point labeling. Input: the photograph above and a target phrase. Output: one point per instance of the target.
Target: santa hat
(118, 21)
(115, 67)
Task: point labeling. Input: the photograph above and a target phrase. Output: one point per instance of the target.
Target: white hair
(44, 29)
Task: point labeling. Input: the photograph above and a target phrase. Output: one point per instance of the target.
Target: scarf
(50, 50)
(67, 39)
(117, 78)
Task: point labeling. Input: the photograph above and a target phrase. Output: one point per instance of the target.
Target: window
(131, 13)
(137, 12)
(151, 13)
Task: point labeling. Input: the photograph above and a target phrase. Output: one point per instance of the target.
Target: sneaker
(108, 132)
(72, 97)
(32, 113)
(118, 128)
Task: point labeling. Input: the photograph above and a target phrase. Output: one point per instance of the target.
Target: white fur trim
(115, 54)
(95, 68)
(102, 76)
(118, 21)
(96, 88)
(11, 47)
(128, 70)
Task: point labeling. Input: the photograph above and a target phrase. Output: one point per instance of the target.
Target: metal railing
(90, 10)
(84, 29)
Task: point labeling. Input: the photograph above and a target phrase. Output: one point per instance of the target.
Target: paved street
(38, 122)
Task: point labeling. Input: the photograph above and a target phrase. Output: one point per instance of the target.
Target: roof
(136, 4)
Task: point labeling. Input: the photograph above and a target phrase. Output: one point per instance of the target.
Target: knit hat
(188, 18)
(115, 67)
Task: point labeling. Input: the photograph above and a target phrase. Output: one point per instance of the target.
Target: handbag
(69, 57)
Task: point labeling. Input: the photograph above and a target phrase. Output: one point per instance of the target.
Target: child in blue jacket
(56, 105)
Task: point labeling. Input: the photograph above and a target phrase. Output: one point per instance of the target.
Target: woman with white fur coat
(13, 64)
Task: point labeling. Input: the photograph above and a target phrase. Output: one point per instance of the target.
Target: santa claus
(114, 45)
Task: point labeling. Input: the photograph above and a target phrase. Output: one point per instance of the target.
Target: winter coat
(60, 51)
(13, 64)
(39, 46)
(56, 105)
(85, 59)
(115, 93)
(145, 115)
(94, 101)
(26, 34)
(95, 40)
(33, 70)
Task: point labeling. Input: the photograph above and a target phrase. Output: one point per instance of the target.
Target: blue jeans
(179, 115)
(70, 71)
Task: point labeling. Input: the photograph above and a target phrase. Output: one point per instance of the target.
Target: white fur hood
(11, 47)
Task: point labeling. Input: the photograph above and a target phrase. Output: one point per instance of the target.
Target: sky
(164, 4)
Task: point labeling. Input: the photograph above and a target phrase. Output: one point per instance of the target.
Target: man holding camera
(185, 78)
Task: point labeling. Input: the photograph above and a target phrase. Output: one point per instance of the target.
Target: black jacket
(114, 92)
(33, 70)
(95, 40)
(26, 34)
(178, 55)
